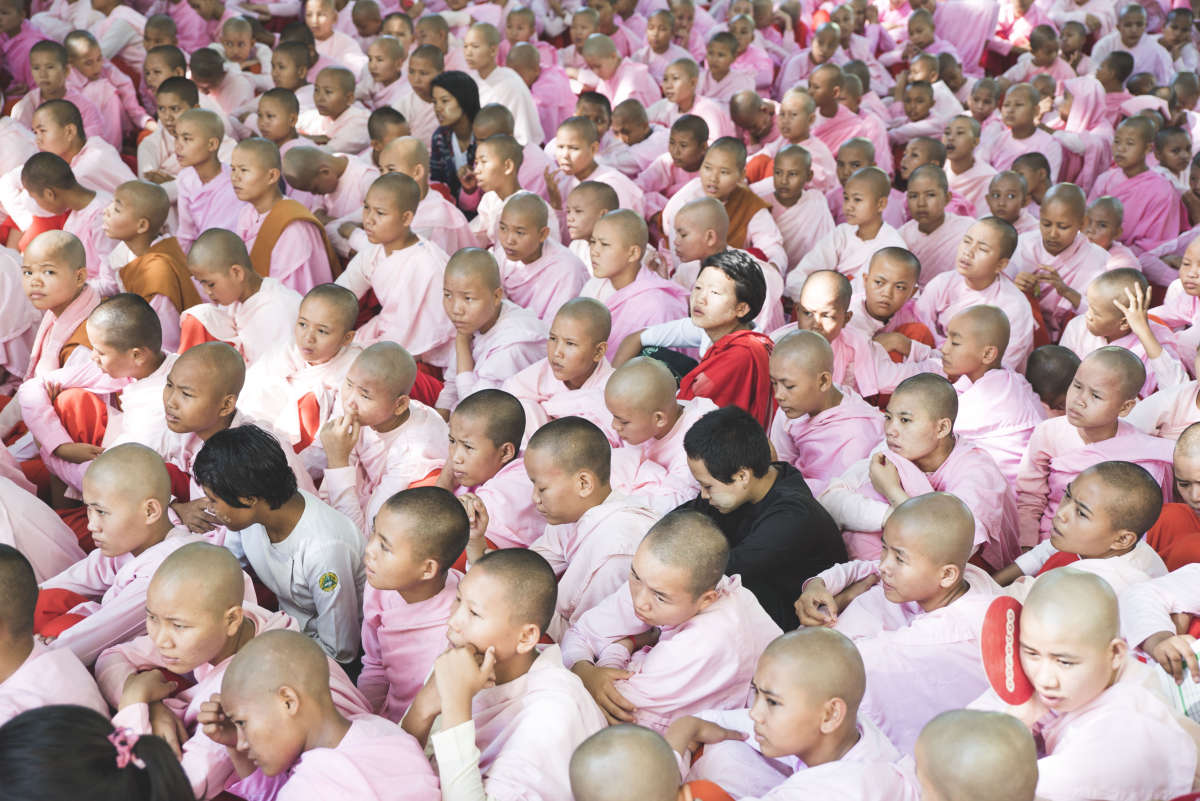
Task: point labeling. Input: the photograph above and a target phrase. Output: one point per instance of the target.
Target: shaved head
(389, 364)
(19, 594)
(342, 77)
(972, 755)
(629, 226)
(1188, 444)
(707, 214)
(592, 313)
(862, 147)
(1075, 604)
(57, 246)
(216, 250)
(264, 152)
(1135, 498)
(401, 190)
(343, 301)
(824, 284)
(276, 659)
(219, 363)
(477, 264)
(874, 179)
(598, 194)
(690, 541)
(1124, 364)
(645, 383)
(207, 122)
(530, 585)
(406, 150)
(148, 200)
(936, 394)
(987, 325)
(898, 257)
(134, 470)
(1112, 206)
(124, 322)
(598, 45)
(808, 350)
(575, 444)
(624, 763)
(301, 164)
(528, 206)
(824, 662)
(203, 571)
(1069, 196)
(943, 525)
(523, 56)
(796, 152)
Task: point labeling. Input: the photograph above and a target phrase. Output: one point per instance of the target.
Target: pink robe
(421, 120)
(1148, 55)
(861, 365)
(205, 205)
(1164, 371)
(1140, 564)
(384, 463)
(972, 184)
(103, 96)
(674, 484)
(1180, 312)
(343, 51)
(18, 323)
(591, 556)
(649, 300)
(16, 52)
(1154, 212)
(968, 472)
(513, 520)
(35, 530)
(16, 145)
(400, 643)
(54, 331)
(970, 25)
(251, 326)
(705, 662)
(206, 763)
(937, 251)
(715, 114)
(545, 398)
(1078, 265)
(919, 663)
(802, 225)
(1004, 149)
(49, 676)
(93, 120)
(632, 80)
(408, 285)
(515, 341)
(1146, 607)
(347, 132)
(628, 194)
(658, 62)
(441, 222)
(1087, 136)
(1122, 258)
(1057, 454)
(88, 225)
(824, 446)
(1167, 412)
(553, 97)
(997, 414)
(118, 586)
(841, 250)
(734, 81)
(845, 124)
(546, 283)
(948, 295)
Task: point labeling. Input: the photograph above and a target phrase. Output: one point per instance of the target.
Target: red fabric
(734, 373)
(1194, 627)
(368, 307)
(41, 225)
(181, 483)
(310, 421)
(76, 520)
(460, 564)
(1060, 559)
(1188, 797)
(124, 66)
(1041, 334)
(35, 470)
(192, 333)
(759, 166)
(917, 332)
(426, 388)
(83, 415)
(1176, 535)
(702, 790)
(443, 190)
(429, 480)
(50, 617)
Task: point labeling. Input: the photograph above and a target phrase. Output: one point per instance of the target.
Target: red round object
(1000, 644)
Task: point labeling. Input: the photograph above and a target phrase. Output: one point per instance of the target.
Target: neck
(79, 198)
(486, 70)
(425, 590)
(980, 284)
(515, 668)
(979, 372)
(329, 731)
(717, 332)
(577, 382)
(408, 240)
(509, 189)
(1099, 433)
(870, 230)
(462, 129)
(156, 534)
(267, 200)
(583, 174)
(72, 151)
(626, 277)
(13, 655)
(245, 634)
(759, 487)
(151, 367)
(595, 499)
(788, 204)
(937, 457)
(946, 597)
(221, 424)
(57, 93)
(57, 311)
(483, 329)
(830, 399)
(139, 245)
(537, 254)
(929, 226)
(250, 285)
(392, 423)
(686, 105)
(207, 170)
(1023, 131)
(674, 413)
(835, 746)
(280, 522)
(829, 109)
(717, 77)
(1135, 170)
(291, 134)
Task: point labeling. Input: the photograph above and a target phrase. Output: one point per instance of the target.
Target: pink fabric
(591, 556)
(18, 323)
(1140, 564)
(824, 446)
(1078, 265)
(545, 284)
(1057, 454)
(93, 121)
(631, 80)
(441, 222)
(117, 586)
(1148, 55)
(1167, 412)
(1165, 371)
(968, 472)
(676, 484)
(513, 520)
(998, 413)
(628, 194)
(343, 51)
(419, 113)
(734, 81)
(970, 25)
(36, 531)
(1088, 135)
(919, 663)
(662, 180)
(88, 225)
(706, 662)
(649, 300)
(938, 250)
(1025, 70)
(1154, 212)
(384, 463)
(192, 30)
(1013, 28)
(1146, 607)
(972, 184)
(205, 205)
(49, 676)
(400, 642)
(553, 97)
(545, 398)
(841, 250)
(16, 145)
(1064, 11)
(103, 95)
(54, 331)
(715, 114)
(299, 259)
(347, 132)
(16, 52)
(658, 62)
(845, 124)
(1004, 149)
(515, 341)
(864, 322)
(253, 325)
(802, 225)
(279, 378)
(948, 295)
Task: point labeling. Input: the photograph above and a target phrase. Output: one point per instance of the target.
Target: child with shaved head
(336, 122)
(383, 441)
(617, 78)
(31, 674)
(804, 718)
(802, 215)
(675, 168)
(286, 241)
(571, 379)
(819, 428)
(643, 142)
(206, 195)
(98, 602)
(1105, 733)
(496, 173)
(536, 270)
(287, 738)
(337, 181)
(921, 454)
(244, 308)
(1020, 133)
(883, 299)
(409, 596)
(1180, 308)
(576, 146)
(681, 98)
(933, 230)
(968, 754)
(1105, 388)
(681, 638)
(967, 175)
(155, 265)
(196, 621)
(622, 763)
(510, 714)
(54, 276)
(1007, 198)
(51, 183)
(1105, 220)
(915, 615)
(585, 205)
(436, 218)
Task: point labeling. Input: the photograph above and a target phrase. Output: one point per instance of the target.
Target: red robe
(734, 373)
(1176, 535)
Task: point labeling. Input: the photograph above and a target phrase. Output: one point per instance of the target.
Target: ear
(274, 176)
(1118, 652)
(945, 427)
(833, 714)
(510, 167)
(401, 405)
(1124, 540)
(238, 272)
(228, 406)
(143, 225)
(949, 575)
(991, 355)
(73, 132)
(429, 569)
(153, 510)
(1127, 407)
(595, 148)
(419, 174)
(348, 338)
(601, 349)
(1001, 265)
(586, 483)
(407, 217)
(825, 381)
(706, 600)
(232, 619)
(290, 699)
(508, 452)
(528, 638)
(543, 234)
(741, 310)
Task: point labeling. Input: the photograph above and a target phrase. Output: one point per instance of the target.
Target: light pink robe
(441, 222)
(948, 295)
(1148, 55)
(279, 378)
(972, 185)
(515, 341)
(1154, 212)
(1147, 606)
(802, 225)
(251, 326)
(553, 97)
(1004, 149)
(299, 260)
(937, 251)
(421, 120)
(545, 398)
(998, 414)
(845, 124)
(662, 467)
(841, 250)
(93, 120)
(49, 676)
(1121, 572)
(347, 132)
(87, 224)
(649, 300)
(1078, 265)
(1168, 411)
(631, 80)
(35, 530)
(54, 331)
(824, 446)
(706, 662)
(1087, 136)
(18, 323)
(546, 283)
(715, 114)
(1164, 371)
(513, 520)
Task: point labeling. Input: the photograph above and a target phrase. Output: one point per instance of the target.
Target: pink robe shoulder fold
(823, 446)
(998, 414)
(49, 676)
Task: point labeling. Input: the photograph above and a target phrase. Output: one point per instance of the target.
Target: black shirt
(779, 543)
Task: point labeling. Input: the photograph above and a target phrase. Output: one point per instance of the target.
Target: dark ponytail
(63, 753)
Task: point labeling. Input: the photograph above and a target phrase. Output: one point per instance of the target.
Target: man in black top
(779, 536)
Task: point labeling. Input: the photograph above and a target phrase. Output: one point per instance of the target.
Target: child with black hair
(303, 550)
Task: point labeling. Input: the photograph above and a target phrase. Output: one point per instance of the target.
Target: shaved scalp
(475, 263)
(530, 584)
(1188, 444)
(592, 313)
(208, 122)
(276, 659)
(976, 128)
(972, 755)
(690, 541)
(490, 33)
(503, 415)
(632, 110)
(506, 148)
(598, 45)
(645, 382)
(1033, 94)
(937, 394)
(988, 325)
(934, 150)
(135, 470)
(575, 444)
(19, 593)
(852, 85)
(390, 45)
(833, 282)
(1136, 498)
(745, 103)
(862, 146)
(59, 246)
(523, 55)
(582, 126)
(528, 206)
(148, 200)
(1050, 370)
(689, 67)
(875, 179)
(45, 170)
(210, 570)
(1128, 367)
(1070, 600)
(795, 152)
(806, 99)
(300, 165)
(709, 214)
(630, 225)
(931, 172)
(390, 364)
(898, 256)
(1114, 282)
(216, 250)
(343, 77)
(731, 146)
(823, 661)
(833, 72)
(1142, 125)
(944, 524)
(402, 190)
(440, 526)
(599, 194)
(1111, 205)
(1011, 177)
(807, 349)
(1068, 195)
(692, 126)
(407, 149)
(126, 321)
(343, 301)
(220, 362)
(263, 151)
(1008, 234)
(624, 762)
(493, 119)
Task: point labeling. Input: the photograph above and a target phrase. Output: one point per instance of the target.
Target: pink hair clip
(124, 740)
